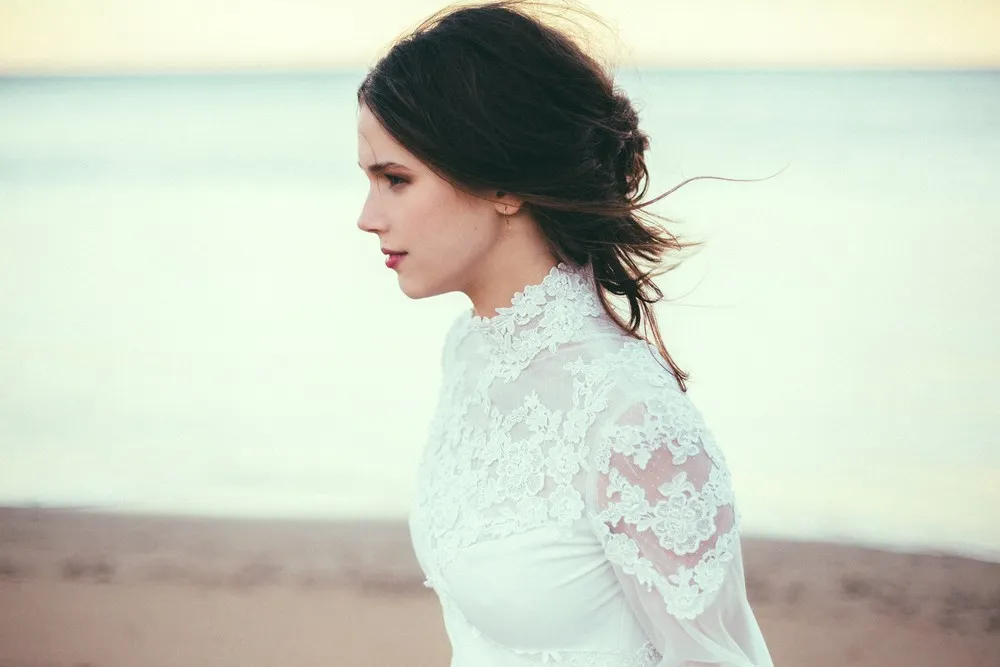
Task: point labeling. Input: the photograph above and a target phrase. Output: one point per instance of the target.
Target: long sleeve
(662, 504)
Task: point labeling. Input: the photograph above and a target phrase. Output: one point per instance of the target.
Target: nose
(370, 219)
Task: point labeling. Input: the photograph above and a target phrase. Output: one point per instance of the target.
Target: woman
(572, 507)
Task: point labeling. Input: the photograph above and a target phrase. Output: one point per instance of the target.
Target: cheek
(424, 211)
(444, 220)
(466, 234)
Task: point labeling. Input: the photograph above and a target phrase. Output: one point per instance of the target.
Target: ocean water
(191, 322)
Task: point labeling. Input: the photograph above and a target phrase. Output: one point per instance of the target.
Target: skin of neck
(521, 257)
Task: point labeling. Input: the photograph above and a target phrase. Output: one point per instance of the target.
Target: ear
(507, 204)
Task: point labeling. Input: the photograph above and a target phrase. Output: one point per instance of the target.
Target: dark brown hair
(494, 99)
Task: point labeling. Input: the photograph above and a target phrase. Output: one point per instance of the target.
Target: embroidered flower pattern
(510, 470)
(502, 461)
(682, 514)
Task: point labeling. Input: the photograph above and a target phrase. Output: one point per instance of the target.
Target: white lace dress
(572, 507)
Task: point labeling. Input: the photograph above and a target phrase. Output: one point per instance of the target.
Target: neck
(502, 278)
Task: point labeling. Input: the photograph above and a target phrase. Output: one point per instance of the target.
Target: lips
(392, 260)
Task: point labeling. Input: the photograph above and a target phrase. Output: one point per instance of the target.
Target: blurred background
(190, 320)
(191, 323)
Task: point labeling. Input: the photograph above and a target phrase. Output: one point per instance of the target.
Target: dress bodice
(572, 507)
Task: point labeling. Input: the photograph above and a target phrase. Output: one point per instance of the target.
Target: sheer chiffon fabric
(572, 506)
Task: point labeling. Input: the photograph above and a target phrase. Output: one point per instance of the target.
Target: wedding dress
(572, 507)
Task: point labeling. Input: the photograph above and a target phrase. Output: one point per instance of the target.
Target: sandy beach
(88, 589)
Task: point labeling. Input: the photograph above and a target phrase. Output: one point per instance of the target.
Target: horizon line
(69, 73)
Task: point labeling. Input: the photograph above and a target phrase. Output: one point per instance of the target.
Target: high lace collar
(562, 280)
(540, 316)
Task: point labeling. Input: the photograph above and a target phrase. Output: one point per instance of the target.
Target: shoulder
(453, 336)
(646, 414)
(625, 369)
(458, 325)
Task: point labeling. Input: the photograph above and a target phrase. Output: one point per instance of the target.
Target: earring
(506, 216)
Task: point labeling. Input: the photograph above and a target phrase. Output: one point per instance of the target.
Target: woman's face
(447, 235)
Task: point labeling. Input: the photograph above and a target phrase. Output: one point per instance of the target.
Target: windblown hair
(493, 99)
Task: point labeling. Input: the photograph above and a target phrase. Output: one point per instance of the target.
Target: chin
(416, 290)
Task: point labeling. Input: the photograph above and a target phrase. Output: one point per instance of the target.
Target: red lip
(387, 251)
(393, 260)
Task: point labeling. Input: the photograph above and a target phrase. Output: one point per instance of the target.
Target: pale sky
(40, 36)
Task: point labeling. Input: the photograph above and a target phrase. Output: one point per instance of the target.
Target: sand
(82, 589)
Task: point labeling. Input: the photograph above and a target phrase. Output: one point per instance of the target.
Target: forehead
(374, 143)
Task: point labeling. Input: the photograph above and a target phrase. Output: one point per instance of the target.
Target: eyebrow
(382, 167)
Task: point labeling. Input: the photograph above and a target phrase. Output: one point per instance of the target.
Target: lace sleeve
(662, 505)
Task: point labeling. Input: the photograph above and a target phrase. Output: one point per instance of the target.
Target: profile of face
(448, 235)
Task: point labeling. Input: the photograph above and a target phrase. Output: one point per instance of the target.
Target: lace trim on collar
(540, 316)
(562, 280)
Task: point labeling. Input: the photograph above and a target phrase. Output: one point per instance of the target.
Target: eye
(394, 180)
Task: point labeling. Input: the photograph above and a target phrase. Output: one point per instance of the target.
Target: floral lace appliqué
(540, 317)
(681, 516)
(514, 447)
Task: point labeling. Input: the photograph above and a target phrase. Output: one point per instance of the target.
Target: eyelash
(394, 180)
